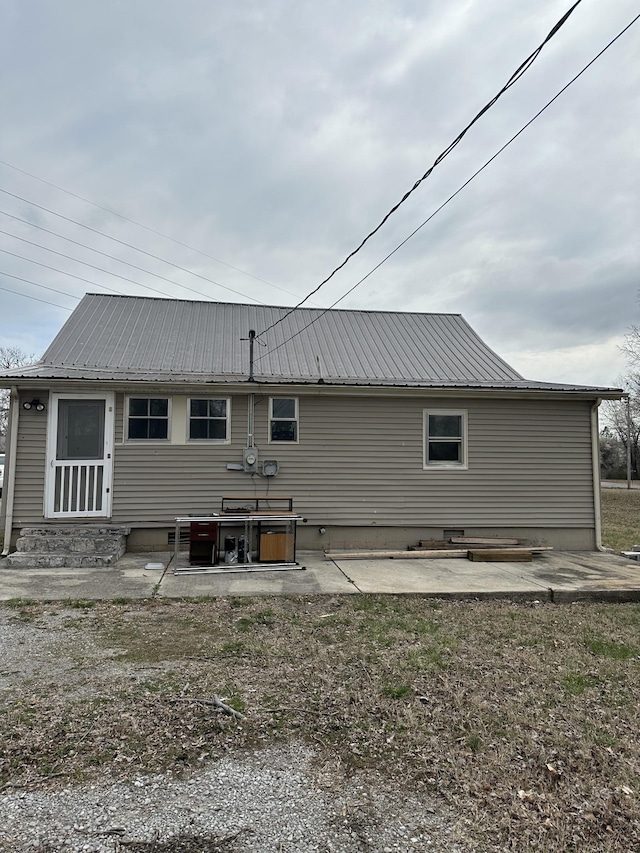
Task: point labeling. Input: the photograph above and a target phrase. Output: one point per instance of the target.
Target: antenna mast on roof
(252, 337)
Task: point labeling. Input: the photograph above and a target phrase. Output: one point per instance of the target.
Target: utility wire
(520, 70)
(87, 264)
(141, 225)
(122, 243)
(62, 272)
(121, 260)
(35, 284)
(453, 195)
(35, 298)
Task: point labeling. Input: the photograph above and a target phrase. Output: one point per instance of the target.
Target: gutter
(595, 461)
(182, 385)
(10, 467)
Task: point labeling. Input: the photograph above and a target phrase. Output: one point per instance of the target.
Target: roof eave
(357, 387)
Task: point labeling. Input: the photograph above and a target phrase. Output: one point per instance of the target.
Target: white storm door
(79, 456)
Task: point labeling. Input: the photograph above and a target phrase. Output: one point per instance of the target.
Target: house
(384, 427)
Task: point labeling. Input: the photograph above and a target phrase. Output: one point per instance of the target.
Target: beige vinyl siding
(155, 482)
(120, 426)
(358, 462)
(31, 455)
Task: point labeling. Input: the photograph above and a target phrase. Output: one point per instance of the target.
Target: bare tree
(613, 456)
(9, 357)
(631, 347)
(624, 425)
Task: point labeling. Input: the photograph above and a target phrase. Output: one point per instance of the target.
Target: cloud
(275, 135)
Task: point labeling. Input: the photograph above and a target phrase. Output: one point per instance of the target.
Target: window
(445, 439)
(148, 418)
(209, 419)
(80, 433)
(283, 419)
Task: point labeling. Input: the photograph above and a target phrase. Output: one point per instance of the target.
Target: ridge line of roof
(277, 307)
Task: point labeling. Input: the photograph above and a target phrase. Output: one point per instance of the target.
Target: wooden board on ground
(396, 555)
(483, 540)
(435, 545)
(500, 555)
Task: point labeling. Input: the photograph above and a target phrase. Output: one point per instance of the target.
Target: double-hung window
(445, 439)
(209, 419)
(283, 419)
(148, 418)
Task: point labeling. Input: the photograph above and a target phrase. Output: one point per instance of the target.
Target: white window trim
(445, 466)
(208, 441)
(296, 419)
(125, 416)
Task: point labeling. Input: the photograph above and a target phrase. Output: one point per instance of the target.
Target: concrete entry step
(75, 530)
(65, 544)
(42, 560)
(75, 546)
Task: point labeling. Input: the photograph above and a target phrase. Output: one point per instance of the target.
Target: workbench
(270, 533)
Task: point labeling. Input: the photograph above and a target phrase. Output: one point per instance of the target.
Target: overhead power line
(43, 286)
(122, 243)
(141, 225)
(87, 264)
(517, 74)
(121, 260)
(35, 298)
(62, 272)
(453, 195)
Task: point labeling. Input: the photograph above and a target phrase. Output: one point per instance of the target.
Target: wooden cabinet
(277, 548)
(203, 542)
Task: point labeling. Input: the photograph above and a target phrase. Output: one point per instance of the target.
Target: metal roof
(140, 339)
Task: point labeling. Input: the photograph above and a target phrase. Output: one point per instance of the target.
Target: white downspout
(9, 487)
(595, 459)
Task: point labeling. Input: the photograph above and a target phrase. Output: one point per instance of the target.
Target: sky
(273, 135)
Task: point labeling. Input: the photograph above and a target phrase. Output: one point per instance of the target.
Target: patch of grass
(22, 609)
(427, 658)
(163, 637)
(234, 648)
(621, 518)
(575, 683)
(397, 691)
(233, 699)
(605, 740)
(80, 603)
(264, 617)
(474, 742)
(609, 649)
(17, 603)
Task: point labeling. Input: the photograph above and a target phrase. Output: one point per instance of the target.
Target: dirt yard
(511, 726)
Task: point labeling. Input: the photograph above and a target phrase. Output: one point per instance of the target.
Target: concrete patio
(560, 576)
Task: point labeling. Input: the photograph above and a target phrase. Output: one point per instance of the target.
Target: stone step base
(22, 560)
(75, 546)
(72, 544)
(76, 530)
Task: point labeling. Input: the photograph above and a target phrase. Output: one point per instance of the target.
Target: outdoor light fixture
(33, 404)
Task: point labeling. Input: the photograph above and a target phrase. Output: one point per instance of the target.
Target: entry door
(79, 470)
